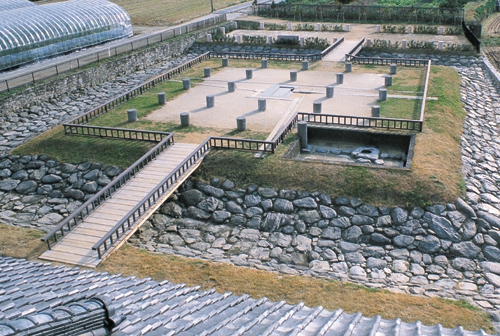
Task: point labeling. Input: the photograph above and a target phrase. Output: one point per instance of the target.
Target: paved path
(338, 54)
(76, 247)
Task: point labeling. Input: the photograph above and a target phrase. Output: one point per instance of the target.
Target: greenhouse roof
(6, 5)
(24, 26)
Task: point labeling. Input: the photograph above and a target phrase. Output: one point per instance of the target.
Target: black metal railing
(364, 122)
(471, 37)
(114, 132)
(105, 193)
(361, 13)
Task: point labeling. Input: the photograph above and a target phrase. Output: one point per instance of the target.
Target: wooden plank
(76, 247)
(80, 237)
(70, 258)
(99, 228)
(73, 247)
(85, 232)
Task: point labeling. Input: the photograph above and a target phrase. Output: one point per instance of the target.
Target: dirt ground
(283, 97)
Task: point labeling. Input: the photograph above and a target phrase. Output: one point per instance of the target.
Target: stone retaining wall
(448, 248)
(36, 191)
(102, 73)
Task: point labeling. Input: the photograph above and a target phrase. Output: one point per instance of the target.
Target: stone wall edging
(104, 72)
(446, 249)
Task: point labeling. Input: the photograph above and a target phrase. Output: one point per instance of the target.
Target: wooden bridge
(76, 246)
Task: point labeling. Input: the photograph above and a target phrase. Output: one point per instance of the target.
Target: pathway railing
(271, 56)
(366, 122)
(333, 46)
(114, 132)
(128, 222)
(70, 222)
(137, 91)
(357, 48)
(386, 61)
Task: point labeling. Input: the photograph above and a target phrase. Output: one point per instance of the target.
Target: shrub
(254, 39)
(316, 43)
(332, 28)
(304, 27)
(453, 31)
(274, 26)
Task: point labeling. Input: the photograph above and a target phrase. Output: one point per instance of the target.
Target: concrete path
(338, 54)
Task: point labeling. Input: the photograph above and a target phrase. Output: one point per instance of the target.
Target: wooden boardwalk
(76, 247)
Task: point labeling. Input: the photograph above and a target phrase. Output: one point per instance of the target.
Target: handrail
(256, 55)
(114, 132)
(136, 91)
(126, 223)
(333, 46)
(354, 51)
(386, 60)
(239, 143)
(364, 122)
(426, 87)
(95, 201)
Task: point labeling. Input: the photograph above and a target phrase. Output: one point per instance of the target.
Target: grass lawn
(25, 243)
(166, 12)
(435, 176)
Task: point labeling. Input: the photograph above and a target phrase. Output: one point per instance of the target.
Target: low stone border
(444, 250)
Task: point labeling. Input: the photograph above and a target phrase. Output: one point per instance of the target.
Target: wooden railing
(114, 133)
(136, 91)
(271, 56)
(284, 130)
(244, 144)
(127, 223)
(105, 193)
(368, 122)
(386, 61)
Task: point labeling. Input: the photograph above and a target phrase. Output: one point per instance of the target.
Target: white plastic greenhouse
(30, 32)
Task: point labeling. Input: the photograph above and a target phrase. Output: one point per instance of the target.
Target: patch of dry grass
(21, 242)
(169, 12)
(435, 176)
(294, 289)
(25, 243)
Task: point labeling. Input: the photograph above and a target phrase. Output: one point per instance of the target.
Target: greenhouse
(31, 32)
(13, 4)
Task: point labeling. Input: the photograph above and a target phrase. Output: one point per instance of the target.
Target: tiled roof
(153, 308)
(82, 317)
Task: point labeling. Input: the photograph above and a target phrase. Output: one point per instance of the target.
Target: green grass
(400, 108)
(435, 176)
(77, 149)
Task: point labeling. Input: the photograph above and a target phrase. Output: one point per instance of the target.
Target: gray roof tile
(153, 308)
